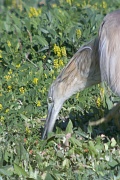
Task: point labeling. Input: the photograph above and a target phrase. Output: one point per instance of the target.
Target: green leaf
(109, 102)
(60, 154)
(113, 163)
(92, 148)
(75, 142)
(25, 118)
(69, 128)
(40, 39)
(49, 177)
(19, 170)
(113, 142)
(44, 30)
(6, 170)
(106, 146)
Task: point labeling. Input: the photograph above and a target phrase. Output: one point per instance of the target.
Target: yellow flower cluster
(51, 72)
(63, 51)
(2, 119)
(45, 76)
(10, 72)
(104, 5)
(28, 131)
(61, 62)
(84, 4)
(34, 12)
(17, 65)
(78, 33)
(35, 81)
(0, 54)
(22, 90)
(9, 43)
(69, 2)
(57, 50)
(54, 5)
(102, 91)
(58, 63)
(95, 6)
(7, 77)
(78, 4)
(9, 88)
(38, 103)
(98, 102)
(101, 96)
(7, 110)
(1, 106)
(60, 51)
(17, 4)
(43, 90)
(44, 57)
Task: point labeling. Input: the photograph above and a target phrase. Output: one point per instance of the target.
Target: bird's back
(109, 50)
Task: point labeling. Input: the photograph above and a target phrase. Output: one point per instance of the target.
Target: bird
(95, 62)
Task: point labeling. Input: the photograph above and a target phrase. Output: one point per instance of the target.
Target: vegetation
(37, 40)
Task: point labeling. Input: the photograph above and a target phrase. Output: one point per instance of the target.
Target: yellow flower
(17, 65)
(61, 62)
(20, 7)
(22, 90)
(98, 102)
(98, 85)
(35, 81)
(102, 91)
(7, 110)
(17, 4)
(45, 75)
(38, 103)
(28, 131)
(2, 119)
(7, 77)
(0, 54)
(78, 33)
(9, 88)
(51, 72)
(104, 4)
(9, 43)
(54, 5)
(10, 72)
(43, 90)
(57, 50)
(34, 12)
(1, 106)
(95, 6)
(63, 51)
(56, 63)
(44, 57)
(69, 2)
(78, 4)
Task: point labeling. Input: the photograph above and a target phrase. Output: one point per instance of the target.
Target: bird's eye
(50, 100)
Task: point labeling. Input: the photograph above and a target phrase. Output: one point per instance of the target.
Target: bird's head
(55, 101)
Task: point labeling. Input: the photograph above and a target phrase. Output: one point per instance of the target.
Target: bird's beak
(51, 118)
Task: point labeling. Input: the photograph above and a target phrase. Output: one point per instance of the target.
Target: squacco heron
(96, 61)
